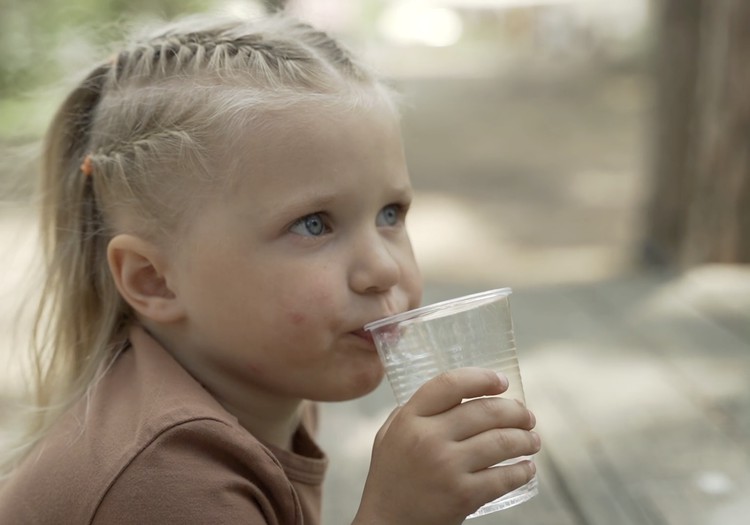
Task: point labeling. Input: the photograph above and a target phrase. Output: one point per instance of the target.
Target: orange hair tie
(86, 167)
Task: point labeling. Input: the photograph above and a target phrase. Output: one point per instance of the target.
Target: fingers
(478, 415)
(500, 444)
(450, 388)
(493, 482)
(448, 449)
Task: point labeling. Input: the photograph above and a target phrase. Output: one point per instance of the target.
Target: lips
(363, 334)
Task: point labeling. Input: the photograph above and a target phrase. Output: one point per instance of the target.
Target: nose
(376, 267)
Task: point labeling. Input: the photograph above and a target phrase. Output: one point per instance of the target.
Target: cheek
(297, 318)
(306, 303)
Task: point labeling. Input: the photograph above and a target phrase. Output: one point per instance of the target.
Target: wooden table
(641, 389)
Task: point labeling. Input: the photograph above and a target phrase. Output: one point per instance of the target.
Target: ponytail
(80, 306)
(79, 314)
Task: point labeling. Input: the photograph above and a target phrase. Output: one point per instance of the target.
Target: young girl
(224, 210)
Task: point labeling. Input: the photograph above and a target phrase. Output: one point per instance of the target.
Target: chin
(360, 385)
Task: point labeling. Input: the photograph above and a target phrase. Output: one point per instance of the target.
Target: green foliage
(23, 118)
(44, 41)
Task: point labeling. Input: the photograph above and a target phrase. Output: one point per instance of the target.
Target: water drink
(471, 331)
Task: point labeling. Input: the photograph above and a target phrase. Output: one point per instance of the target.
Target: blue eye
(312, 225)
(391, 215)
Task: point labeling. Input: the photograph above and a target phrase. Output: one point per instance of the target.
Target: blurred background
(592, 155)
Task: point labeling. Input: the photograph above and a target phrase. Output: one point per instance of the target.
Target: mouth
(365, 335)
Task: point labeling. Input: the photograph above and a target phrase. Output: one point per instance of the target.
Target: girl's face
(278, 277)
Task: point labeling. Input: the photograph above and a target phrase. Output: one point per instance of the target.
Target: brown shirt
(153, 446)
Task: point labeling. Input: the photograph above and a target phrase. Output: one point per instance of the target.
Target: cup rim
(431, 308)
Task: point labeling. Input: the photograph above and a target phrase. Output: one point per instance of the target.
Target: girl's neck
(276, 428)
(270, 419)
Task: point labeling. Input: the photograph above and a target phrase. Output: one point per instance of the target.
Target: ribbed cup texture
(464, 333)
(417, 350)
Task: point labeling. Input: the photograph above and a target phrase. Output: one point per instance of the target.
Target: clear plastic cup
(471, 331)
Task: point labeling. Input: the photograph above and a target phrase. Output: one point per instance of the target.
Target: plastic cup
(471, 331)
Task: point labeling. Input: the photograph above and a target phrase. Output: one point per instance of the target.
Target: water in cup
(471, 331)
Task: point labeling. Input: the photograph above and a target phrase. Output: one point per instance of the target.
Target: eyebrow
(321, 200)
(401, 193)
(309, 202)
(296, 206)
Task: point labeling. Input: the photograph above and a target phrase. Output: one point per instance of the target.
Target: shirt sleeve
(200, 471)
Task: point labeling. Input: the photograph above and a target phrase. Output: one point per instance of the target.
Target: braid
(173, 54)
(334, 52)
(276, 54)
(282, 57)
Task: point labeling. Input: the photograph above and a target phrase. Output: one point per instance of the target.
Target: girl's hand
(430, 463)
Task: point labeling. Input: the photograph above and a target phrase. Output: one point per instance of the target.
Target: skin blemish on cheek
(253, 368)
(297, 318)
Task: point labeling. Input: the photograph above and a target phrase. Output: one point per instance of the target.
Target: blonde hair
(146, 122)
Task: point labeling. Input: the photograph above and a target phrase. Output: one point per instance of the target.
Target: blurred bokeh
(524, 123)
(590, 154)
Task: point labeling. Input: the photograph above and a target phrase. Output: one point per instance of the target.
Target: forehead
(316, 146)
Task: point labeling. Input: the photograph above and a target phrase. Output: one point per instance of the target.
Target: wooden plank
(711, 360)
(567, 387)
(720, 292)
(683, 364)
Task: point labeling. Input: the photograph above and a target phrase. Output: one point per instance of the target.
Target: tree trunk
(719, 217)
(675, 74)
(700, 202)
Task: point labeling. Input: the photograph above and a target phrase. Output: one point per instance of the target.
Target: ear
(139, 270)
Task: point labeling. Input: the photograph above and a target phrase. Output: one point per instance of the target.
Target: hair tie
(86, 167)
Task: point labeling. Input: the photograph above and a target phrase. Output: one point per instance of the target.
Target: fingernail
(532, 419)
(536, 440)
(532, 467)
(503, 379)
